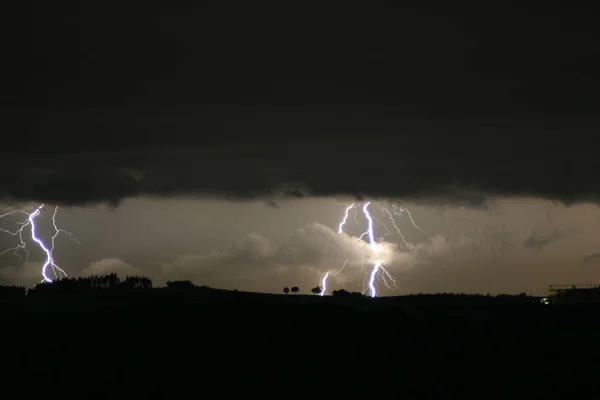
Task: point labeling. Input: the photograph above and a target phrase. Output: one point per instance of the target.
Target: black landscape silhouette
(103, 337)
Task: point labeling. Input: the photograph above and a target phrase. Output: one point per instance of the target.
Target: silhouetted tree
(286, 290)
(93, 283)
(316, 290)
(145, 282)
(12, 291)
(295, 289)
(340, 292)
(108, 281)
(180, 285)
(136, 282)
(113, 281)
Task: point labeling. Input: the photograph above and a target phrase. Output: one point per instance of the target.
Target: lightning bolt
(323, 281)
(372, 242)
(378, 271)
(324, 284)
(378, 266)
(346, 213)
(49, 264)
(409, 245)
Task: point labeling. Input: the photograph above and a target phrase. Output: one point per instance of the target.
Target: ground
(168, 344)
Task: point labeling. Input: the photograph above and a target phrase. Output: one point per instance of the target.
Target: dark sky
(436, 103)
(499, 97)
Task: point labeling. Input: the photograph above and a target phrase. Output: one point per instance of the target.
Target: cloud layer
(257, 261)
(378, 100)
(461, 169)
(110, 265)
(513, 245)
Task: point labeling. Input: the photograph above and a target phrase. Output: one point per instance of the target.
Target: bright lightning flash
(49, 263)
(348, 208)
(378, 271)
(378, 266)
(324, 284)
(340, 230)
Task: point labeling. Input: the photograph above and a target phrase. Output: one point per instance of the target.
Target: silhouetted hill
(182, 342)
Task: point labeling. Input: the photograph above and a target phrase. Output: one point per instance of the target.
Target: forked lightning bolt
(323, 282)
(49, 264)
(378, 266)
(378, 270)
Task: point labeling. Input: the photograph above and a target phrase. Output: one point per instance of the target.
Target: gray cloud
(110, 265)
(26, 274)
(591, 259)
(536, 241)
(257, 261)
(252, 246)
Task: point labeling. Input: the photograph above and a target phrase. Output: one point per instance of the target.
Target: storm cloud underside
(454, 169)
(446, 102)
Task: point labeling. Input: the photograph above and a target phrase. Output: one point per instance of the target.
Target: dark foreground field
(211, 344)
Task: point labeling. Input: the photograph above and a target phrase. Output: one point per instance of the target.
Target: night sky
(215, 140)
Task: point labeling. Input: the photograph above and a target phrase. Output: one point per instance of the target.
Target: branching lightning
(49, 267)
(323, 281)
(447, 218)
(378, 266)
(378, 271)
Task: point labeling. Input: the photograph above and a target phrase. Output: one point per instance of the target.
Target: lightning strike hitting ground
(372, 242)
(378, 271)
(21, 246)
(378, 266)
(324, 284)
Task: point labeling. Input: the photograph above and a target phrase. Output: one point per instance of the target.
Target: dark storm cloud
(73, 185)
(450, 102)
(455, 169)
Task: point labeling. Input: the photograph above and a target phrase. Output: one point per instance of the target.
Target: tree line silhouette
(112, 282)
(318, 290)
(338, 293)
(93, 283)
(12, 291)
(89, 284)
